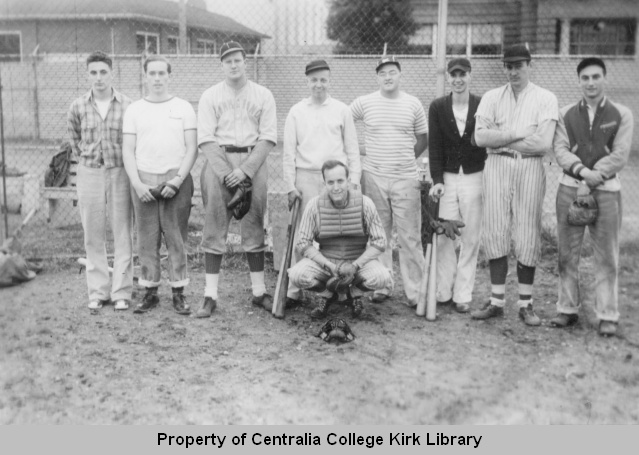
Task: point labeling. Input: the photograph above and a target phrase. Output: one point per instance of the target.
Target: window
(603, 36)
(422, 40)
(147, 43)
(205, 46)
(173, 45)
(10, 47)
(472, 39)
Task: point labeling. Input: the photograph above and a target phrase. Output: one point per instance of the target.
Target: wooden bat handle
(279, 301)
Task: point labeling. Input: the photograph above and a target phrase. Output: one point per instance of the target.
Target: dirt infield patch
(62, 365)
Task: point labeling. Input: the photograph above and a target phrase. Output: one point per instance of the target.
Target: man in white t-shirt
(159, 149)
(395, 134)
(318, 129)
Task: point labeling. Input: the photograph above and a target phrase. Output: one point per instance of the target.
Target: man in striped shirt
(516, 123)
(317, 129)
(395, 134)
(348, 229)
(94, 124)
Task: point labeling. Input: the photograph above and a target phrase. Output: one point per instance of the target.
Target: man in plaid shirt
(94, 123)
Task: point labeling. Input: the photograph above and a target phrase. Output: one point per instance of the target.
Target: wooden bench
(62, 200)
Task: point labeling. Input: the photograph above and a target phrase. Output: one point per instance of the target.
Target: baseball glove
(583, 210)
(157, 191)
(451, 228)
(240, 203)
(336, 330)
(343, 277)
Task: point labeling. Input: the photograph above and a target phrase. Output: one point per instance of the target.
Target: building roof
(142, 10)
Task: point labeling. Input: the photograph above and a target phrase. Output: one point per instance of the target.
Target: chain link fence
(44, 44)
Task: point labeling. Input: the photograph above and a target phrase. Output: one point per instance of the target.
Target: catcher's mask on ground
(336, 330)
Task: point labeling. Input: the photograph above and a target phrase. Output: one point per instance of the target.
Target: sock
(211, 285)
(526, 277)
(213, 263)
(257, 283)
(255, 261)
(498, 272)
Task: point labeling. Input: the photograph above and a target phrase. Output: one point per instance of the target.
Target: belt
(518, 155)
(233, 149)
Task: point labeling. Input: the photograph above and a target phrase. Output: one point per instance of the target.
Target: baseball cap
(316, 65)
(387, 59)
(516, 53)
(459, 64)
(229, 47)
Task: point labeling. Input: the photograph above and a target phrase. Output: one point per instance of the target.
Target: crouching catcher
(343, 222)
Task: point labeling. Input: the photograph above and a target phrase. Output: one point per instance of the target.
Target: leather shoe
(179, 304)
(379, 298)
(322, 308)
(527, 314)
(564, 320)
(207, 308)
(487, 311)
(265, 301)
(607, 328)
(462, 307)
(358, 307)
(292, 303)
(149, 301)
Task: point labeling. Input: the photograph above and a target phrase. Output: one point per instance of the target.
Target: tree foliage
(363, 26)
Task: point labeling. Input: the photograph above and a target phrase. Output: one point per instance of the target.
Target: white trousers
(462, 201)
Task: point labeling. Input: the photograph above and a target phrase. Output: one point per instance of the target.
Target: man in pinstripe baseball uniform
(237, 128)
(395, 133)
(348, 229)
(516, 123)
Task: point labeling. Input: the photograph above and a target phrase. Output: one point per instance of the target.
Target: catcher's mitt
(336, 330)
(240, 203)
(343, 277)
(583, 210)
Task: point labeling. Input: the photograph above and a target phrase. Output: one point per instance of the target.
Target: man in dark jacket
(592, 143)
(456, 166)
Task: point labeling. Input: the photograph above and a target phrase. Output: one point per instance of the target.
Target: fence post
(36, 103)
(4, 164)
(440, 87)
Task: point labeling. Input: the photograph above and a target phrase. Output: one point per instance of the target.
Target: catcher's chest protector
(342, 233)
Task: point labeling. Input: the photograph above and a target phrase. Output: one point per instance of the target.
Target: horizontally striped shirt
(97, 142)
(391, 126)
(309, 229)
(499, 109)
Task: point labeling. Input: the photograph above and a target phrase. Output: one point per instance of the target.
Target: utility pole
(440, 87)
(182, 46)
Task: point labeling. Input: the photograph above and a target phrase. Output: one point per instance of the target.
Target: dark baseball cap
(516, 53)
(316, 65)
(230, 47)
(387, 59)
(459, 64)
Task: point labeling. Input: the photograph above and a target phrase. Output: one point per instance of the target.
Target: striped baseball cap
(230, 47)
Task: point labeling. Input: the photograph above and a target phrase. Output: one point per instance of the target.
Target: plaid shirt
(97, 142)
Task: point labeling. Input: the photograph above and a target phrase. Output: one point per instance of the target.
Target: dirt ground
(62, 365)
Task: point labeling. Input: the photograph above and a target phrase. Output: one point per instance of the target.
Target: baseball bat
(431, 305)
(279, 299)
(12, 243)
(423, 284)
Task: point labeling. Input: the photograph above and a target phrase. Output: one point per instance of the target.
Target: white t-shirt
(159, 128)
(460, 118)
(103, 107)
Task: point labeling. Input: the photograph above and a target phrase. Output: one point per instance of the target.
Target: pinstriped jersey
(533, 106)
(390, 125)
